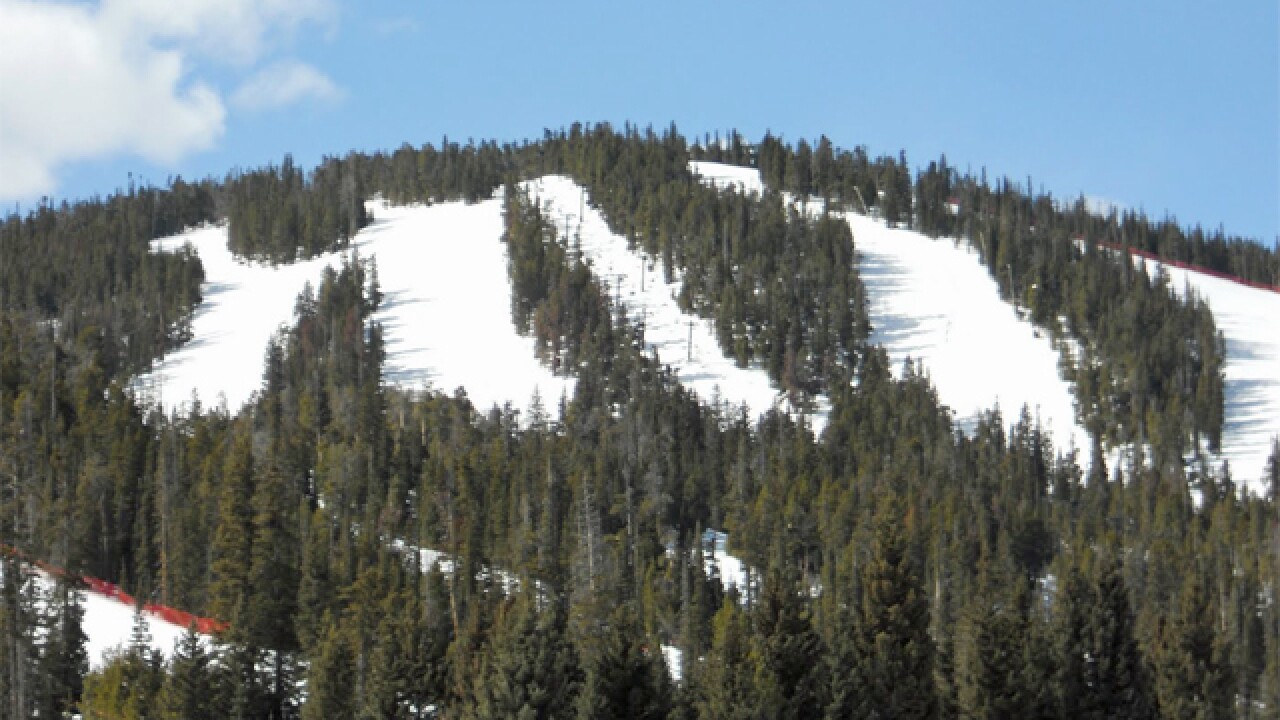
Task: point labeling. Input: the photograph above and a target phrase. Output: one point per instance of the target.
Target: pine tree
(999, 673)
(64, 660)
(406, 670)
(790, 679)
(189, 691)
(331, 677)
(1193, 671)
(883, 653)
(725, 683)
(18, 642)
(625, 679)
(233, 533)
(530, 671)
(1101, 673)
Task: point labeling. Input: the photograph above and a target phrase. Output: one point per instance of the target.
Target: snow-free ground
(1249, 319)
(446, 311)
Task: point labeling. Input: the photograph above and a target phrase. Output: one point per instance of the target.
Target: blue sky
(1170, 107)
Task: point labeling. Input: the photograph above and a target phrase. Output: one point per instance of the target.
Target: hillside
(777, 442)
(432, 261)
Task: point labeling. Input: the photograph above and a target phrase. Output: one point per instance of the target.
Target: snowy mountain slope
(934, 301)
(720, 175)
(446, 311)
(638, 282)
(1249, 318)
(243, 304)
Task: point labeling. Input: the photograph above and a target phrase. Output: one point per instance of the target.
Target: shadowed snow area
(935, 302)
(1249, 319)
(639, 283)
(446, 311)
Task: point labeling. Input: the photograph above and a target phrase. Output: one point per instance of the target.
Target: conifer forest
(370, 551)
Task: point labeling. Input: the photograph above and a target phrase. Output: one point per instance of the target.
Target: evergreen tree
(1193, 677)
(999, 669)
(64, 660)
(790, 678)
(189, 691)
(1101, 673)
(530, 671)
(406, 670)
(331, 691)
(883, 653)
(725, 684)
(624, 679)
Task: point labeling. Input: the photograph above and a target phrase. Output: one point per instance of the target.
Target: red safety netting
(181, 618)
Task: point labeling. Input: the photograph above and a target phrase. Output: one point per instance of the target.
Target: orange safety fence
(181, 618)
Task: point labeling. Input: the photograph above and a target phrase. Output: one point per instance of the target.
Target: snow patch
(732, 571)
(673, 657)
(745, 180)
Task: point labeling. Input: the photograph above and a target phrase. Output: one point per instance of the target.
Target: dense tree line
(1146, 361)
(895, 565)
(279, 214)
(86, 273)
(782, 287)
(760, 268)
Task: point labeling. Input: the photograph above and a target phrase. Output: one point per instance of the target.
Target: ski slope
(446, 311)
(1249, 318)
(108, 623)
(638, 282)
(934, 301)
(745, 180)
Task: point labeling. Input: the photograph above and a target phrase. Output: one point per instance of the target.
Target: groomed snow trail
(1249, 319)
(638, 282)
(446, 311)
(108, 623)
(934, 302)
(744, 179)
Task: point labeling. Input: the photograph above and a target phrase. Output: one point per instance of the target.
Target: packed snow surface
(932, 300)
(446, 312)
(744, 179)
(108, 624)
(638, 282)
(1249, 318)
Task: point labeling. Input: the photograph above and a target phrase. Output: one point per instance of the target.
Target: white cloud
(81, 81)
(282, 84)
(230, 30)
